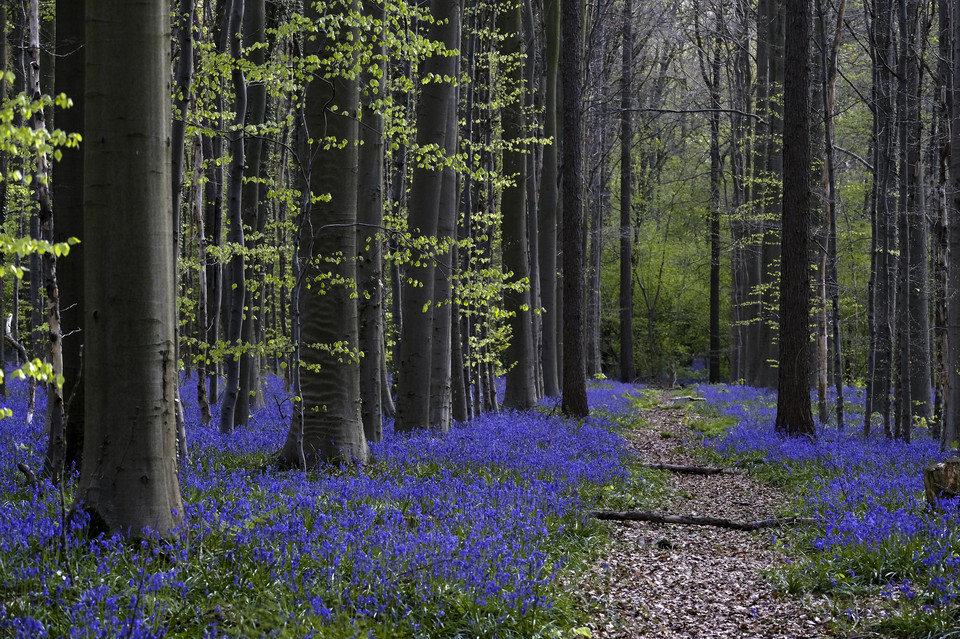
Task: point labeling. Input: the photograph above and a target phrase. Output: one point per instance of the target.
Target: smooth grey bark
(329, 372)
(883, 212)
(627, 368)
(549, 204)
(254, 34)
(914, 325)
(793, 397)
(950, 19)
(55, 418)
(574, 399)
(235, 273)
(67, 186)
(830, 51)
(436, 98)
(129, 480)
(770, 250)
(710, 72)
(520, 393)
(370, 293)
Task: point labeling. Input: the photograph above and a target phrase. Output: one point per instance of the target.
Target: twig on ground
(657, 518)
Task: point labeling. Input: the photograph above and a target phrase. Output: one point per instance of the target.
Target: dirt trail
(672, 581)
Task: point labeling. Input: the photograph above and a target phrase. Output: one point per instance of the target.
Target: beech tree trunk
(68, 194)
(56, 446)
(235, 274)
(332, 428)
(549, 202)
(254, 34)
(415, 344)
(370, 276)
(574, 399)
(951, 429)
(627, 368)
(129, 481)
(521, 393)
(793, 398)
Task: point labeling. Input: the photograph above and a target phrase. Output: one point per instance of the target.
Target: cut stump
(941, 480)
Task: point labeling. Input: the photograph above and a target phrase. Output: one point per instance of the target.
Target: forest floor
(682, 581)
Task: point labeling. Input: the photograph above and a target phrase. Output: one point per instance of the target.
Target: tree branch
(656, 518)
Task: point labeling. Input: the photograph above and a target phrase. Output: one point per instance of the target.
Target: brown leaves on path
(671, 581)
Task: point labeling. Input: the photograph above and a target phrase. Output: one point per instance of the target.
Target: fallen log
(656, 518)
(689, 470)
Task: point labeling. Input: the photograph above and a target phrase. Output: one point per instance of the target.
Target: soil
(674, 581)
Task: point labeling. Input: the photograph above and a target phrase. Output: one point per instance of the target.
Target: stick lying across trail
(691, 470)
(635, 515)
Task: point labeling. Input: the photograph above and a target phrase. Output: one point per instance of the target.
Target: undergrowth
(481, 532)
(887, 562)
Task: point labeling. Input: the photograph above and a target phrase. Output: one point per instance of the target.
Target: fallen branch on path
(656, 518)
(691, 470)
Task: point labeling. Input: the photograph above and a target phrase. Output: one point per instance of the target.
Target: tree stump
(941, 480)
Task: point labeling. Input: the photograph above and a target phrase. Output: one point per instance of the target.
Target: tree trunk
(521, 393)
(68, 194)
(549, 197)
(370, 240)
(332, 428)
(129, 481)
(793, 399)
(951, 430)
(235, 236)
(574, 399)
(56, 445)
(413, 393)
(254, 37)
(883, 260)
(627, 369)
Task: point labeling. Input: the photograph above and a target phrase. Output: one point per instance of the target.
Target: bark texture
(129, 481)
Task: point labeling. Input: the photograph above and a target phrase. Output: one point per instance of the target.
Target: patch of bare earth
(672, 581)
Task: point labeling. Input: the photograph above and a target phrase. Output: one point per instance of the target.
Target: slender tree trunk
(520, 389)
(574, 399)
(68, 194)
(950, 13)
(235, 235)
(549, 201)
(793, 399)
(413, 393)
(56, 446)
(627, 369)
(370, 294)
(254, 37)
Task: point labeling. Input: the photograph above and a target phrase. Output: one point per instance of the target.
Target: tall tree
(627, 368)
(328, 426)
(370, 294)
(56, 448)
(436, 99)
(574, 399)
(254, 210)
(235, 274)
(794, 416)
(914, 362)
(950, 22)
(883, 211)
(520, 390)
(549, 201)
(129, 480)
(68, 194)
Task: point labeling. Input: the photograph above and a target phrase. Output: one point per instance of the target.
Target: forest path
(673, 581)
